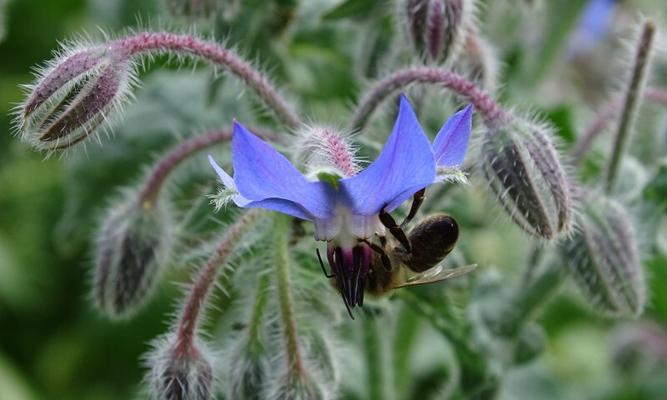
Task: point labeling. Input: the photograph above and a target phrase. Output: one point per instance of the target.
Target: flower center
(350, 267)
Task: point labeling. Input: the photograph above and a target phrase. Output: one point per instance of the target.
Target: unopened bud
(480, 62)
(638, 347)
(436, 28)
(248, 374)
(73, 97)
(324, 149)
(179, 371)
(194, 8)
(290, 387)
(133, 246)
(603, 258)
(522, 167)
(530, 343)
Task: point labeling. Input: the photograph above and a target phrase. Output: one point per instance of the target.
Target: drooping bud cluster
(522, 167)
(180, 371)
(73, 96)
(436, 28)
(603, 258)
(133, 245)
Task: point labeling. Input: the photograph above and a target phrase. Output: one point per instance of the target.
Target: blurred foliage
(54, 346)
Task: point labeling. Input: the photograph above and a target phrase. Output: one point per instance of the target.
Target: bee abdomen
(431, 241)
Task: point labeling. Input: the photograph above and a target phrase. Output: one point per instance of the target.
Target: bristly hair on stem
(200, 292)
(492, 113)
(87, 83)
(632, 97)
(151, 43)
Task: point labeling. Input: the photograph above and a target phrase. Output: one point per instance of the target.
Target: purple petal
(405, 166)
(269, 180)
(451, 142)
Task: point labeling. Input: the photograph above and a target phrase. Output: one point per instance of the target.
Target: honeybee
(430, 242)
(399, 261)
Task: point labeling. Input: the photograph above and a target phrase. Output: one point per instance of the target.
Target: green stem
(281, 242)
(374, 365)
(631, 103)
(261, 300)
(470, 359)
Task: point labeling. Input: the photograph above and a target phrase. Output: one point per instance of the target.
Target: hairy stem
(630, 102)
(166, 42)
(178, 154)
(538, 290)
(491, 111)
(374, 362)
(203, 285)
(285, 301)
(606, 116)
(261, 300)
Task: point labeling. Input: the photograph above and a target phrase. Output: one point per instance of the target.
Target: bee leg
(386, 262)
(417, 201)
(390, 223)
(327, 274)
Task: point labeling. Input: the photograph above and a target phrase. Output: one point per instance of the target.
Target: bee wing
(437, 274)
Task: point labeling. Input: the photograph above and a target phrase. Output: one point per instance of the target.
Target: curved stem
(166, 42)
(491, 111)
(606, 116)
(286, 304)
(178, 154)
(205, 281)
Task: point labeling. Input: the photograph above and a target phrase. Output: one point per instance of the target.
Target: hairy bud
(194, 8)
(133, 243)
(436, 28)
(179, 371)
(522, 168)
(324, 149)
(480, 62)
(290, 387)
(603, 258)
(73, 96)
(638, 347)
(530, 343)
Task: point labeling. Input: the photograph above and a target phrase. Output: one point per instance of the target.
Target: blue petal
(451, 142)
(269, 180)
(224, 176)
(405, 166)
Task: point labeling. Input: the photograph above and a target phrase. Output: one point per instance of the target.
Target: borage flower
(349, 211)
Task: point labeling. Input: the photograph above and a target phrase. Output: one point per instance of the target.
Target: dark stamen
(324, 270)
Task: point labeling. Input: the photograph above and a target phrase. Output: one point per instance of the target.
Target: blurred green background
(52, 343)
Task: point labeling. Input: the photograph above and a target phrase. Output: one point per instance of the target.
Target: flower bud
(73, 97)
(530, 343)
(522, 168)
(324, 150)
(193, 8)
(436, 28)
(480, 62)
(290, 387)
(603, 258)
(248, 372)
(180, 371)
(638, 347)
(133, 246)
